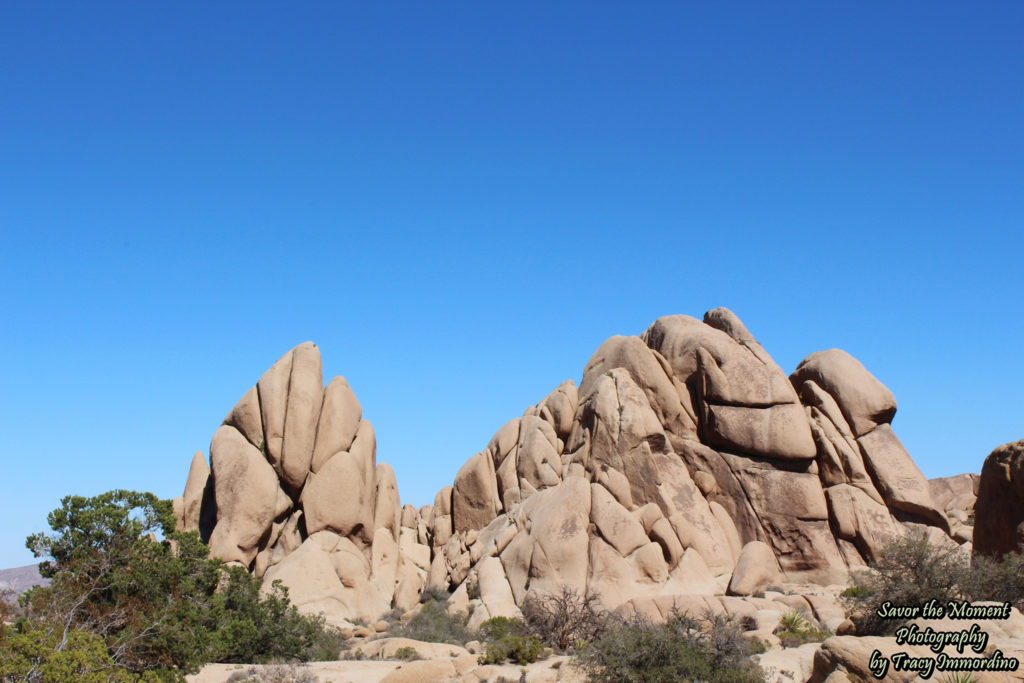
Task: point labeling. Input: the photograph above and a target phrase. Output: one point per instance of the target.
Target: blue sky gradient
(459, 202)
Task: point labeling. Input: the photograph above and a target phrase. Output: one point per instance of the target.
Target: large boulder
(899, 480)
(197, 500)
(999, 510)
(340, 415)
(755, 570)
(865, 402)
(475, 500)
(244, 483)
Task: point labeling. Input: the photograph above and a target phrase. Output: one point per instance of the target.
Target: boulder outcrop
(686, 462)
(999, 511)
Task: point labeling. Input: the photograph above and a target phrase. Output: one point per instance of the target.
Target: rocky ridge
(686, 470)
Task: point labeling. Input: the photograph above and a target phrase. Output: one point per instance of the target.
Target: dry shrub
(566, 618)
(682, 649)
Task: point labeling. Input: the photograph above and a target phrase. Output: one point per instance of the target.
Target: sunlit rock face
(684, 463)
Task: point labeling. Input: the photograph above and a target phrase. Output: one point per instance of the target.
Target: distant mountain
(21, 579)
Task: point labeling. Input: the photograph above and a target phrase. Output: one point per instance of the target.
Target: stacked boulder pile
(685, 470)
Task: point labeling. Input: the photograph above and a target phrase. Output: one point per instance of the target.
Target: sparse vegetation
(910, 571)
(681, 649)
(434, 594)
(796, 628)
(566, 618)
(1000, 580)
(433, 624)
(275, 673)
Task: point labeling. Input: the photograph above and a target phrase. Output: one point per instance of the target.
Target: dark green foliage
(433, 624)
(681, 649)
(857, 592)
(517, 649)
(152, 595)
(497, 628)
(257, 628)
(56, 657)
(508, 640)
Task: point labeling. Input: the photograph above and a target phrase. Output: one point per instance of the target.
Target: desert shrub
(406, 654)
(795, 628)
(565, 618)
(681, 649)
(1001, 579)
(275, 673)
(497, 628)
(393, 617)
(434, 594)
(507, 639)
(433, 624)
(511, 648)
(910, 571)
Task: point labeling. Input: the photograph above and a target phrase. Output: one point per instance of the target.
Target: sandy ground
(365, 671)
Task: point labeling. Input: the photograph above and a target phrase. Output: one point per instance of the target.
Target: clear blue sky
(460, 201)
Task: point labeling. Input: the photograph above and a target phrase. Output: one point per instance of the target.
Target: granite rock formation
(686, 463)
(999, 512)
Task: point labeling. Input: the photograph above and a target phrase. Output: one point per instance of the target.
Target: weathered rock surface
(686, 465)
(755, 570)
(999, 511)
(864, 401)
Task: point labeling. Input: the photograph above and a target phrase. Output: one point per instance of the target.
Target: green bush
(160, 607)
(433, 624)
(517, 649)
(57, 657)
(681, 649)
(508, 639)
(406, 654)
(497, 628)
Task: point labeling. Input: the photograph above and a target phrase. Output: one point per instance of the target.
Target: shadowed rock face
(999, 512)
(684, 454)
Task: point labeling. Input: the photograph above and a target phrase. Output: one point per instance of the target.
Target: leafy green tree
(120, 572)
